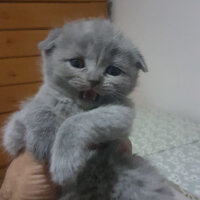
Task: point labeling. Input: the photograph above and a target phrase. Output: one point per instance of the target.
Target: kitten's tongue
(89, 95)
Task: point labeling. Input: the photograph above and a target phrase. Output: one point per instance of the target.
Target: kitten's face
(92, 60)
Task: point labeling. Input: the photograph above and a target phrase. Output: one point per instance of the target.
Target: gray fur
(57, 125)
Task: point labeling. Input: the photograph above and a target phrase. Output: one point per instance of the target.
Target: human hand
(27, 179)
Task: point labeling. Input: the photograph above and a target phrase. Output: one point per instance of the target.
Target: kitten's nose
(94, 83)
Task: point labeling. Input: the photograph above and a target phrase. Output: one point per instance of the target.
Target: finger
(125, 146)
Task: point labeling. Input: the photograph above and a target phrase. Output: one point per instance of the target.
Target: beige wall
(168, 34)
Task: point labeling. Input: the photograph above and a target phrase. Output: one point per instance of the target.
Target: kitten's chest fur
(61, 107)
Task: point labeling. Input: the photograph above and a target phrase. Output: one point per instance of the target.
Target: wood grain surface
(11, 96)
(20, 43)
(46, 15)
(76, 1)
(20, 70)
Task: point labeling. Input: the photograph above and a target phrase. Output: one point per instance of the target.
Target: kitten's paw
(13, 146)
(39, 149)
(64, 168)
(62, 174)
(13, 138)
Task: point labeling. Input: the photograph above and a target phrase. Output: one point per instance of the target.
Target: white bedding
(172, 144)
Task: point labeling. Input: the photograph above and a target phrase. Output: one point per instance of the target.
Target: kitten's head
(91, 60)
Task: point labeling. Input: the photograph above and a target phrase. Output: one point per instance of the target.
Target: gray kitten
(89, 68)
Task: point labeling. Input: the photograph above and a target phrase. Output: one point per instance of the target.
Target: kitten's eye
(114, 71)
(76, 62)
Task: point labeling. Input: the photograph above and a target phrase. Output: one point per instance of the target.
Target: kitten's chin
(89, 96)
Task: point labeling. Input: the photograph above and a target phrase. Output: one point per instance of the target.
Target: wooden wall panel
(20, 70)
(46, 15)
(2, 174)
(3, 118)
(54, 1)
(4, 157)
(12, 95)
(20, 43)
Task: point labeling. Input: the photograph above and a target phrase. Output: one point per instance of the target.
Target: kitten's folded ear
(49, 42)
(140, 63)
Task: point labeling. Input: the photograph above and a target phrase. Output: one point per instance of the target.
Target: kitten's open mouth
(89, 95)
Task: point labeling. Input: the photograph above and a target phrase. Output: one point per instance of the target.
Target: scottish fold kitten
(89, 68)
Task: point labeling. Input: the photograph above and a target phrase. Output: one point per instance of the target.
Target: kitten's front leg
(14, 134)
(70, 150)
(41, 128)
